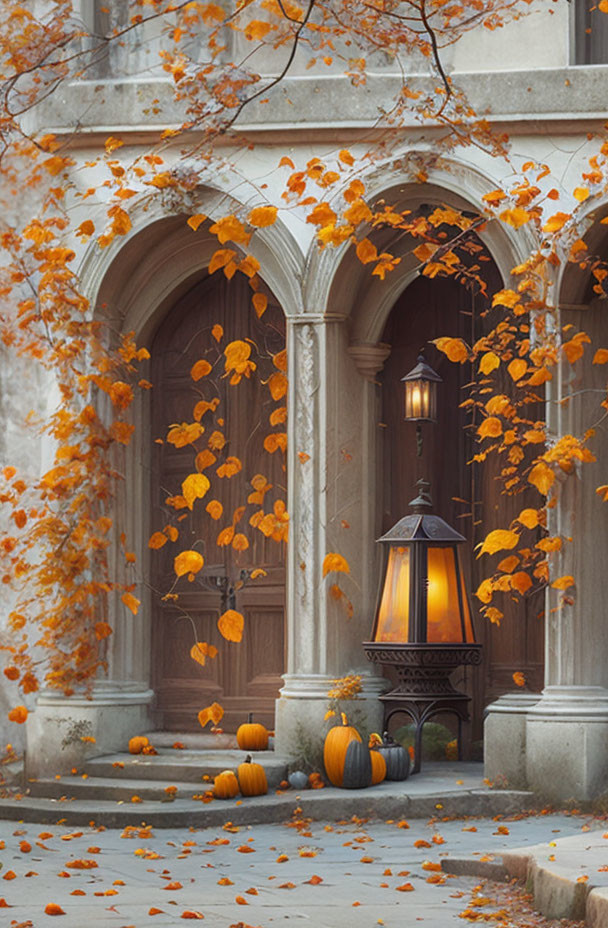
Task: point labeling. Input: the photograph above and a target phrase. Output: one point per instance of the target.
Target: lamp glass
(443, 606)
(393, 615)
(420, 399)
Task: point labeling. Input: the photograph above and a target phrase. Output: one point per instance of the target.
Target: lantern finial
(423, 502)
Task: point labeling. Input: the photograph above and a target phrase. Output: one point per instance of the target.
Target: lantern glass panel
(443, 602)
(420, 398)
(393, 616)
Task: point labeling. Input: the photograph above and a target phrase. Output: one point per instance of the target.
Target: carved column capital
(369, 358)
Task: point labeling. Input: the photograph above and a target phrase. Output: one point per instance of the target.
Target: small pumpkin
(298, 780)
(396, 757)
(252, 778)
(336, 744)
(252, 736)
(378, 767)
(137, 744)
(225, 785)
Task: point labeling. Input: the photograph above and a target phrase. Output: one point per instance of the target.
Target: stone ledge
(568, 95)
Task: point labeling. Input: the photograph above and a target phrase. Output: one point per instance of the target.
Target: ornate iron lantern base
(424, 687)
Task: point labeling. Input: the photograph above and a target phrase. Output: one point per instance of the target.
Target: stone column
(119, 703)
(504, 740)
(567, 730)
(333, 437)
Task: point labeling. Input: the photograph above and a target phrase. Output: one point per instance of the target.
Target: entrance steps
(122, 788)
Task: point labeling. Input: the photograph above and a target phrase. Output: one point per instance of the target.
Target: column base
(504, 740)
(567, 743)
(55, 729)
(300, 710)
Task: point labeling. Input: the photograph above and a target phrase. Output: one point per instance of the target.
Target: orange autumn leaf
(519, 679)
(260, 304)
(201, 651)
(52, 908)
(157, 540)
(240, 542)
(498, 540)
(225, 536)
(517, 368)
(262, 216)
(214, 508)
(508, 564)
(454, 348)
(230, 625)
(277, 384)
(229, 228)
(213, 713)
(556, 222)
(131, 602)
(405, 888)
(200, 369)
(195, 221)
(194, 487)
(188, 562)
(231, 466)
(274, 441)
(102, 630)
(516, 217)
(601, 356)
(335, 562)
(563, 583)
(521, 581)
(529, 518)
(205, 459)
(191, 913)
(489, 362)
(221, 258)
(18, 714)
(542, 477)
(184, 434)
(366, 251)
(491, 427)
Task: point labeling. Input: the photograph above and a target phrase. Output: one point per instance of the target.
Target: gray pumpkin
(298, 780)
(396, 757)
(357, 766)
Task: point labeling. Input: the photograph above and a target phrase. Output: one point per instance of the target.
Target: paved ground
(353, 874)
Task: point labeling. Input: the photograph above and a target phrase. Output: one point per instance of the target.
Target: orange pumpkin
(252, 778)
(225, 785)
(137, 744)
(378, 767)
(336, 745)
(252, 736)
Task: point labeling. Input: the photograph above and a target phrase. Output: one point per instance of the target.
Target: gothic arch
(337, 282)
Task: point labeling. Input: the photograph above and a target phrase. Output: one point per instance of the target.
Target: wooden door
(245, 676)
(465, 495)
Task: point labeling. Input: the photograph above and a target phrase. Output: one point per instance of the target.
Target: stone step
(410, 799)
(187, 766)
(199, 741)
(113, 789)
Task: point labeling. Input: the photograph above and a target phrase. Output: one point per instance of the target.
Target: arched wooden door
(464, 494)
(245, 676)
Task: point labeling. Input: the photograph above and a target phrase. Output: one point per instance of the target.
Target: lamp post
(423, 627)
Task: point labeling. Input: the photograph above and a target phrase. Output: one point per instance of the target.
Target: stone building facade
(549, 95)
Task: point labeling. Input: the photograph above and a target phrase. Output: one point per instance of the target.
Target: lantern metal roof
(422, 525)
(422, 371)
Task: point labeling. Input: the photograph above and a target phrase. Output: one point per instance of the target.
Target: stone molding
(317, 685)
(114, 694)
(571, 703)
(513, 703)
(369, 358)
